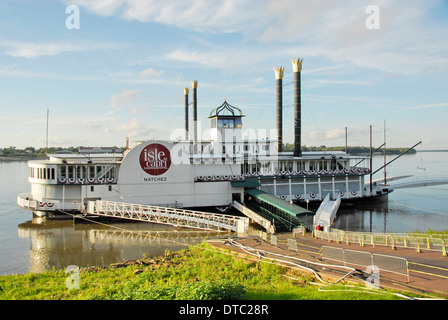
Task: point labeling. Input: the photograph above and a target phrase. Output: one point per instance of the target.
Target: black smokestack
(297, 67)
(194, 84)
(279, 77)
(186, 112)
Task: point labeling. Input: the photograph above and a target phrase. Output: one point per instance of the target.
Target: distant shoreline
(432, 150)
(8, 159)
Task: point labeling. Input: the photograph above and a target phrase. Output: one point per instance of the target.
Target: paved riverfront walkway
(428, 271)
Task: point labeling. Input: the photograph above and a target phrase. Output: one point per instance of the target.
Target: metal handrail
(166, 215)
(420, 242)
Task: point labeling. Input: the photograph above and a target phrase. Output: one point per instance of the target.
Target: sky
(110, 69)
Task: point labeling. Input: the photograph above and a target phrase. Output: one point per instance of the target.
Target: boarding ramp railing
(419, 241)
(171, 216)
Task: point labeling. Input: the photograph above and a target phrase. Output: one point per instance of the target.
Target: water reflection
(363, 217)
(60, 243)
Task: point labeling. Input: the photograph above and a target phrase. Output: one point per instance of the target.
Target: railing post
(418, 249)
(443, 248)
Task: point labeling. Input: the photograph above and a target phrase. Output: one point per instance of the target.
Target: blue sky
(122, 73)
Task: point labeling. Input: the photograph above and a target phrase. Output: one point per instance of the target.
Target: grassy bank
(200, 273)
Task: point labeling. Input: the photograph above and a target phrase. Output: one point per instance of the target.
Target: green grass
(201, 272)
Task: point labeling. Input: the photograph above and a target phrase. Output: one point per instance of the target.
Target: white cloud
(132, 128)
(423, 106)
(409, 41)
(123, 99)
(149, 73)
(31, 50)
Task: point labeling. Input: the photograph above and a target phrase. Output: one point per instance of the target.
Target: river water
(36, 245)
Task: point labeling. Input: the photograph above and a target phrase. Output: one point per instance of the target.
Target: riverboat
(192, 172)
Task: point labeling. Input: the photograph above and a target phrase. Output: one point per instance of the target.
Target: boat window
(70, 172)
(92, 188)
(52, 173)
(238, 123)
(63, 172)
(213, 123)
(91, 172)
(225, 123)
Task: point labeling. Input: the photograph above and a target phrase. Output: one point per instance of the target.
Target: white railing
(171, 216)
(418, 241)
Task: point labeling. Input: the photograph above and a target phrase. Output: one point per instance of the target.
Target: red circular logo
(155, 159)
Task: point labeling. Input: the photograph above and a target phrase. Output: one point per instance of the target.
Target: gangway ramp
(284, 215)
(265, 223)
(171, 216)
(327, 212)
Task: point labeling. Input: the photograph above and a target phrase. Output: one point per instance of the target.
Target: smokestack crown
(297, 64)
(186, 90)
(279, 72)
(194, 84)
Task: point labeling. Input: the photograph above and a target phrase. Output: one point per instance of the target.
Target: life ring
(312, 195)
(62, 180)
(297, 196)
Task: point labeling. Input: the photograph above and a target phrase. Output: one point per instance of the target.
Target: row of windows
(83, 172)
(226, 123)
(72, 172)
(42, 173)
(289, 166)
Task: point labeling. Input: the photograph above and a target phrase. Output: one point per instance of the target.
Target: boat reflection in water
(60, 243)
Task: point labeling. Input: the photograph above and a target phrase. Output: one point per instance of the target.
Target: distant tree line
(33, 153)
(350, 149)
(40, 153)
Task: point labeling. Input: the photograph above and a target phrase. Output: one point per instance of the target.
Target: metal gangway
(327, 211)
(170, 216)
